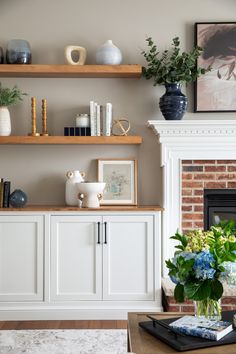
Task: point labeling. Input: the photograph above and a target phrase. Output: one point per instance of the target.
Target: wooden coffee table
(141, 342)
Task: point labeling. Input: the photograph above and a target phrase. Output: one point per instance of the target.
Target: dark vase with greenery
(172, 69)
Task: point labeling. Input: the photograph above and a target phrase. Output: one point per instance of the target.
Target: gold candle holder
(44, 118)
(33, 118)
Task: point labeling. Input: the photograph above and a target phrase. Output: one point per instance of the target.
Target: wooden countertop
(74, 208)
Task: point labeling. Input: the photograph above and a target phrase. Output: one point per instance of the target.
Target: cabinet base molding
(56, 313)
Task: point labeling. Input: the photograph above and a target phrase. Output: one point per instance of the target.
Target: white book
(92, 117)
(108, 119)
(98, 122)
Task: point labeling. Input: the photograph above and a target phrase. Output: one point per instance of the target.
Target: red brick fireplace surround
(195, 154)
(196, 176)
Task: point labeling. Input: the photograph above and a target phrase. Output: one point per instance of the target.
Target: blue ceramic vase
(18, 52)
(18, 198)
(173, 103)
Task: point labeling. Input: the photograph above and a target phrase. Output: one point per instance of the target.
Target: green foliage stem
(172, 66)
(9, 96)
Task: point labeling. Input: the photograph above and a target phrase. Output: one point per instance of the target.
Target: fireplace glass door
(219, 205)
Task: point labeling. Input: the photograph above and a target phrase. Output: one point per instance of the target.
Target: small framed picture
(216, 90)
(120, 176)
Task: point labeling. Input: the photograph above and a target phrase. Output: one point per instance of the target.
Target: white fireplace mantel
(187, 140)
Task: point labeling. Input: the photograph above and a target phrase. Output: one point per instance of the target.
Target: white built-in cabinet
(21, 258)
(79, 265)
(102, 258)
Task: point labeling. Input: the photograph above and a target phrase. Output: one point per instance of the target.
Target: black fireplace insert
(219, 205)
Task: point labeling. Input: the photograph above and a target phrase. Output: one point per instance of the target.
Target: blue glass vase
(173, 103)
(18, 198)
(18, 52)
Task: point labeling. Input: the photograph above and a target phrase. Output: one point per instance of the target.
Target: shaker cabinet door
(21, 257)
(128, 258)
(76, 258)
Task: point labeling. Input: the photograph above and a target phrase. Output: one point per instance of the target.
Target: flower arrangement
(202, 263)
(172, 66)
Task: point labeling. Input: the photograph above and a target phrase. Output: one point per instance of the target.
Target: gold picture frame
(120, 176)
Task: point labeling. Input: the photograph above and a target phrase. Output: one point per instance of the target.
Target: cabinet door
(128, 258)
(76, 258)
(21, 258)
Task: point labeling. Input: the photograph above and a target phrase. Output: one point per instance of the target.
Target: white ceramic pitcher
(71, 193)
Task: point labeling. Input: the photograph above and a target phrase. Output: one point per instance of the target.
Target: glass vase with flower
(200, 267)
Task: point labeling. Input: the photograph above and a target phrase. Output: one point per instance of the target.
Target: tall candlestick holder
(33, 118)
(44, 118)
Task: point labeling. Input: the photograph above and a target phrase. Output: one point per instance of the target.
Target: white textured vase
(5, 121)
(108, 54)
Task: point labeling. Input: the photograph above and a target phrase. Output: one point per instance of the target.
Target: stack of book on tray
(201, 327)
(4, 193)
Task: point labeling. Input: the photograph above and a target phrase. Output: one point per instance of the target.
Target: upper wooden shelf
(71, 71)
(70, 140)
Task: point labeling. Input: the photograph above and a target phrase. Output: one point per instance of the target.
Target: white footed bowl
(90, 193)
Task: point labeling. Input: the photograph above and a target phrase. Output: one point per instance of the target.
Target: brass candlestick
(44, 118)
(33, 117)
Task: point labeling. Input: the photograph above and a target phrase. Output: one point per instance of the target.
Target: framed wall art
(120, 176)
(216, 90)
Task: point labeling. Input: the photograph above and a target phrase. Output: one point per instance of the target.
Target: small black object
(1, 56)
(66, 131)
(6, 194)
(72, 131)
(77, 131)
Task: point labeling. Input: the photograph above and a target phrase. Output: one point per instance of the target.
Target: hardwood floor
(95, 324)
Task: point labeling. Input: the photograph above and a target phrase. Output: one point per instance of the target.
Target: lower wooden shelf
(70, 140)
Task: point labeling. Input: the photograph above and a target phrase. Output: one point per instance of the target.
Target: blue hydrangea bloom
(185, 255)
(202, 265)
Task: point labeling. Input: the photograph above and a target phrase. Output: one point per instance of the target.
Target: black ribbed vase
(173, 103)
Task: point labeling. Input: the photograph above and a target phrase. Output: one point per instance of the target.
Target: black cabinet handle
(99, 232)
(105, 230)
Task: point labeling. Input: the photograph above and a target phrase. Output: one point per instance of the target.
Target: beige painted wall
(50, 25)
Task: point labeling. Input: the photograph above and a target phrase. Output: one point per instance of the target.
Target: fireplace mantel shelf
(193, 128)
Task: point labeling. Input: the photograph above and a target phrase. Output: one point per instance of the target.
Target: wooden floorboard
(85, 324)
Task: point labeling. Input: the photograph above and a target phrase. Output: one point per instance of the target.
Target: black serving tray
(185, 342)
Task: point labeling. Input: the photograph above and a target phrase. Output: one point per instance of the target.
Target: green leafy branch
(172, 66)
(9, 96)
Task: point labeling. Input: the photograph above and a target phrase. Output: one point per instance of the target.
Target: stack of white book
(100, 119)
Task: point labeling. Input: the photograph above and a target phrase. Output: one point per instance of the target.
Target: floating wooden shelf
(70, 140)
(71, 71)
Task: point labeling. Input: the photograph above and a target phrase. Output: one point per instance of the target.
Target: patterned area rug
(78, 341)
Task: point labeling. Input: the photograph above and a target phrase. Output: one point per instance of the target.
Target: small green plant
(9, 96)
(172, 66)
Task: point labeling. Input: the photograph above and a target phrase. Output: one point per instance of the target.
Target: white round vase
(5, 121)
(108, 54)
(90, 193)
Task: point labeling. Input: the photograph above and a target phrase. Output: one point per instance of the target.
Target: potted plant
(172, 68)
(8, 97)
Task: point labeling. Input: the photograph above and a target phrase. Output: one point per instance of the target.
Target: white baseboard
(71, 314)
